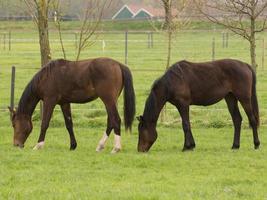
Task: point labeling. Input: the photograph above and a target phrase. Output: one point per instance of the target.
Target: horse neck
(154, 105)
(27, 105)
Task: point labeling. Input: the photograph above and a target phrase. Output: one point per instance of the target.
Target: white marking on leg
(102, 142)
(39, 145)
(117, 144)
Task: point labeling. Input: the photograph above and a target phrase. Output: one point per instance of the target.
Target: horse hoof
(187, 149)
(115, 150)
(73, 146)
(99, 148)
(235, 147)
(257, 146)
(38, 146)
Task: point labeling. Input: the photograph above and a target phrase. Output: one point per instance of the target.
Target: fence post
(12, 91)
(213, 49)
(226, 39)
(263, 53)
(223, 40)
(76, 42)
(151, 33)
(148, 40)
(4, 41)
(9, 40)
(126, 47)
(103, 46)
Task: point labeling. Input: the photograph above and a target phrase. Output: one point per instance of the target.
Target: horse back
(209, 82)
(81, 81)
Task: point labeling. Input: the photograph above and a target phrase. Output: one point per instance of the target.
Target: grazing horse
(186, 83)
(63, 82)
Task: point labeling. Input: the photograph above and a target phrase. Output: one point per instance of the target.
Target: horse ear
(12, 111)
(140, 118)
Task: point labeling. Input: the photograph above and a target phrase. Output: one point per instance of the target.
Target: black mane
(30, 98)
(160, 92)
(151, 106)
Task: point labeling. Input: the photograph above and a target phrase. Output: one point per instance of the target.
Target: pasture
(212, 171)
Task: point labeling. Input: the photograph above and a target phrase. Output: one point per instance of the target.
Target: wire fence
(217, 44)
(144, 52)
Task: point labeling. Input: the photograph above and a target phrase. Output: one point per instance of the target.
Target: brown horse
(186, 83)
(63, 82)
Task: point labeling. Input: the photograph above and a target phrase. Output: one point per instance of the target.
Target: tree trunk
(42, 10)
(169, 48)
(252, 40)
(167, 7)
(253, 53)
(252, 43)
(169, 27)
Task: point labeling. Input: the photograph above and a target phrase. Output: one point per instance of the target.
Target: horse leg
(66, 110)
(113, 122)
(189, 142)
(48, 107)
(252, 121)
(116, 124)
(103, 140)
(236, 118)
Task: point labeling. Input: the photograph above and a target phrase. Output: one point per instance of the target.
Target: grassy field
(211, 171)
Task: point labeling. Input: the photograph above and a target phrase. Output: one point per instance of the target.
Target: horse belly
(208, 98)
(79, 96)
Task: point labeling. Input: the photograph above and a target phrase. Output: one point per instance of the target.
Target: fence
(144, 52)
(170, 111)
(7, 41)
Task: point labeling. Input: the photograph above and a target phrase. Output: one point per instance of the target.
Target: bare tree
(167, 5)
(174, 21)
(91, 18)
(38, 9)
(243, 17)
(57, 6)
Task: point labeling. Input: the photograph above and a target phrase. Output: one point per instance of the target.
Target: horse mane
(48, 68)
(29, 94)
(150, 111)
(164, 83)
(150, 107)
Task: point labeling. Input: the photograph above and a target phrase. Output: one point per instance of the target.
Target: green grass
(109, 25)
(212, 171)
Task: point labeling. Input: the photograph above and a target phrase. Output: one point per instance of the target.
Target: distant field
(211, 171)
(107, 25)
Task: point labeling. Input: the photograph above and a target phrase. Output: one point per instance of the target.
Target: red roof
(155, 12)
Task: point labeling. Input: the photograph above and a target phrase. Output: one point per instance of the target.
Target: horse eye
(142, 125)
(13, 124)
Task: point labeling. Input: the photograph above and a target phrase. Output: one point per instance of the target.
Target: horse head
(147, 134)
(22, 126)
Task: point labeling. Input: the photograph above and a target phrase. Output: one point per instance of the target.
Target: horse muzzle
(143, 148)
(17, 144)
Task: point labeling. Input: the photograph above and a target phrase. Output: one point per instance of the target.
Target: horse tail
(129, 97)
(254, 100)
